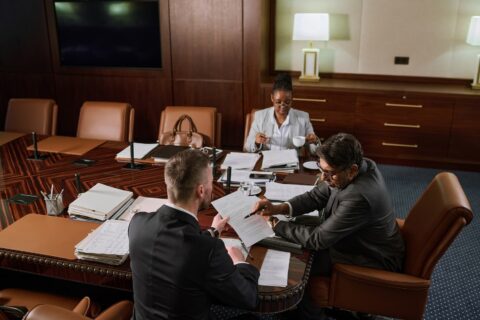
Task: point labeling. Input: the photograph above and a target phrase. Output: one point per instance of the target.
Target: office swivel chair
(29, 115)
(113, 121)
(207, 120)
(249, 117)
(432, 224)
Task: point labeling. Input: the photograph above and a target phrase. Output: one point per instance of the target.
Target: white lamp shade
(473, 36)
(311, 26)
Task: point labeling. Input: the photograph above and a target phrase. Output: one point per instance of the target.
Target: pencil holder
(54, 205)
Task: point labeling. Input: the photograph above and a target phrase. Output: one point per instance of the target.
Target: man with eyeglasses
(358, 224)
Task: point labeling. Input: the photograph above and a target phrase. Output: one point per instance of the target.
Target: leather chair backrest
(249, 117)
(206, 119)
(28, 115)
(112, 121)
(433, 223)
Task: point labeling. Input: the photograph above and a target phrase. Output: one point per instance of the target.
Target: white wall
(366, 35)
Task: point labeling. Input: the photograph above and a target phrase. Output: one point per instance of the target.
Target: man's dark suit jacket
(359, 227)
(178, 270)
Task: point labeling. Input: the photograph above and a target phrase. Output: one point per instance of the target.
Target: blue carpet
(455, 290)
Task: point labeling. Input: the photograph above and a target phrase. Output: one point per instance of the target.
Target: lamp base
(476, 86)
(309, 78)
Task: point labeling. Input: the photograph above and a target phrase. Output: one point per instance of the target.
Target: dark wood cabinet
(465, 134)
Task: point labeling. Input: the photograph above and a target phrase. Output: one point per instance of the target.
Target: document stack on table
(239, 176)
(140, 151)
(100, 202)
(240, 160)
(106, 244)
(280, 160)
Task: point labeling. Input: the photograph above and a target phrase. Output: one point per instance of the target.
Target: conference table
(19, 175)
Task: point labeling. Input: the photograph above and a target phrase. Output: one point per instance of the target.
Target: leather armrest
(12, 312)
(50, 312)
(122, 310)
(379, 277)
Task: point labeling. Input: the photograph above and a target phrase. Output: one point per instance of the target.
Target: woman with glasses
(274, 128)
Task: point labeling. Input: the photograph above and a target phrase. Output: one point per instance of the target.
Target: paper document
(240, 160)
(278, 158)
(140, 150)
(236, 205)
(274, 270)
(239, 176)
(284, 192)
(232, 242)
(142, 204)
(108, 243)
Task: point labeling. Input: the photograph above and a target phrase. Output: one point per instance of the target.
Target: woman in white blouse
(274, 128)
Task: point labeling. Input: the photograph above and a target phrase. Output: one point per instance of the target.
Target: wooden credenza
(397, 122)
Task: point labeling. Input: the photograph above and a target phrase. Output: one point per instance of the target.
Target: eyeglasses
(327, 174)
(286, 103)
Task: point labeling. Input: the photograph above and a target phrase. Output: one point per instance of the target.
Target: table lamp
(310, 27)
(473, 38)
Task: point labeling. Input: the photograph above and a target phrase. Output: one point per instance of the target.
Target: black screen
(108, 33)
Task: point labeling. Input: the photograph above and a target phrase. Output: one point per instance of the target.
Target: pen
(246, 250)
(254, 212)
(51, 192)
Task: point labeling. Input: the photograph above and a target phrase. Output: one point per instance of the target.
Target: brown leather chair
(29, 115)
(15, 302)
(431, 226)
(113, 121)
(207, 120)
(249, 117)
(120, 311)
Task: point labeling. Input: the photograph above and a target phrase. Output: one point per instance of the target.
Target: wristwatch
(213, 232)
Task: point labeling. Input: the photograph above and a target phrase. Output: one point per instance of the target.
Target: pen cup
(55, 205)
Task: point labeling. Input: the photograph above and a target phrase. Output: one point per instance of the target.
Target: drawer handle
(400, 105)
(311, 100)
(318, 119)
(399, 125)
(388, 144)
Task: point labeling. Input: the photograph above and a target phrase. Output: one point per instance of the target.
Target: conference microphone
(132, 165)
(229, 178)
(214, 161)
(36, 155)
(78, 184)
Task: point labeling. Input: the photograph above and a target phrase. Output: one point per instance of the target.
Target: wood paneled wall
(213, 54)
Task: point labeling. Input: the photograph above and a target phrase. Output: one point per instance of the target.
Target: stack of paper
(284, 192)
(100, 202)
(280, 160)
(106, 244)
(239, 160)
(274, 271)
(239, 176)
(140, 151)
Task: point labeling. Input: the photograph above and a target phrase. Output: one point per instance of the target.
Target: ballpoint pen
(246, 250)
(254, 212)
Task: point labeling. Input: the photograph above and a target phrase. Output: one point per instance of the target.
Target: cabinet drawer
(315, 102)
(415, 117)
(405, 145)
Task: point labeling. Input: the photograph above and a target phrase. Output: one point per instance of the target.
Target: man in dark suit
(357, 223)
(177, 269)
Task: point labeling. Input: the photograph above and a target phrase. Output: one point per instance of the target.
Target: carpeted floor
(455, 290)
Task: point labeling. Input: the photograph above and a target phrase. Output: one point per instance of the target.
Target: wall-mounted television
(101, 33)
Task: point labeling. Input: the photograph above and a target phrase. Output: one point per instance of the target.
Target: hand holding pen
(263, 207)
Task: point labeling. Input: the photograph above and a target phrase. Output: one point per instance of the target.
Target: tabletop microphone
(229, 178)
(78, 184)
(36, 155)
(132, 165)
(214, 161)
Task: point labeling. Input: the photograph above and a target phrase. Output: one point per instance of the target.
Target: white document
(142, 204)
(284, 192)
(140, 150)
(276, 158)
(236, 205)
(108, 243)
(232, 242)
(240, 160)
(274, 270)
